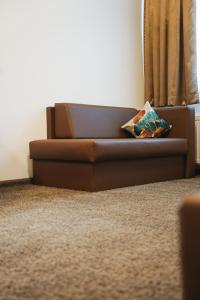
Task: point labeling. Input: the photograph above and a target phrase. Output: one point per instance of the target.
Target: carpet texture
(117, 244)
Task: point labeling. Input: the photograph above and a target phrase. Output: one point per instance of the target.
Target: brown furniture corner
(190, 246)
(86, 149)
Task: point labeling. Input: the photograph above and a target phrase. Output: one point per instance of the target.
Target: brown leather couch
(190, 246)
(86, 149)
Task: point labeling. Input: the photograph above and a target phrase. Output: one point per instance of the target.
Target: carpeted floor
(117, 244)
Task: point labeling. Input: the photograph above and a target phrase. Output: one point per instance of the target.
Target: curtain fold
(170, 62)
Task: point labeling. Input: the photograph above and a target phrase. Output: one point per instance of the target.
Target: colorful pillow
(147, 124)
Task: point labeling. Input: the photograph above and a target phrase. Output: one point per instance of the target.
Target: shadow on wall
(35, 132)
(14, 161)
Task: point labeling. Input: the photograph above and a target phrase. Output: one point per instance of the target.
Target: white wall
(86, 51)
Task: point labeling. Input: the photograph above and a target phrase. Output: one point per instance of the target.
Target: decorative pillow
(147, 124)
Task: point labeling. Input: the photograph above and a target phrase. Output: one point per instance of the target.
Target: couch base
(108, 174)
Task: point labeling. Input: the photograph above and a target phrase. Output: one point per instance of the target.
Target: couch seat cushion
(92, 150)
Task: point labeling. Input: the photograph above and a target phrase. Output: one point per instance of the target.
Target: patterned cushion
(147, 124)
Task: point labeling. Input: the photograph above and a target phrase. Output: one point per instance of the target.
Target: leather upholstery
(50, 115)
(190, 246)
(86, 148)
(182, 119)
(92, 150)
(104, 175)
(90, 121)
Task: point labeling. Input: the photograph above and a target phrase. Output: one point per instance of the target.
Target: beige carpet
(117, 244)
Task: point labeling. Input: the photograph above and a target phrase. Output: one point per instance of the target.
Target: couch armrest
(190, 246)
(50, 117)
(182, 119)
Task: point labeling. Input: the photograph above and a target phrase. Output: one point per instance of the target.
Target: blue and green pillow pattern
(147, 124)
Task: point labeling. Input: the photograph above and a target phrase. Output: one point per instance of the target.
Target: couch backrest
(87, 121)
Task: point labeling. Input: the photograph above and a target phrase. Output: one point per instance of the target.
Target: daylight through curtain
(170, 64)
